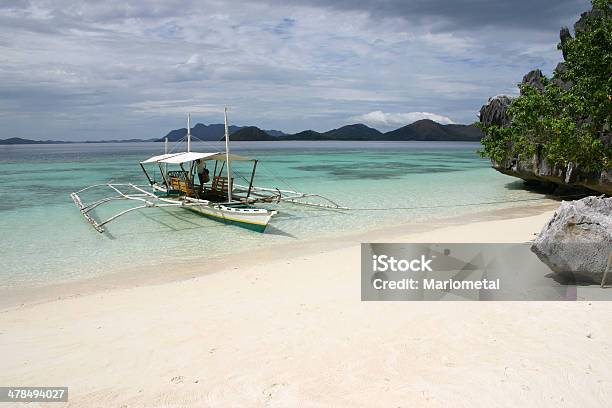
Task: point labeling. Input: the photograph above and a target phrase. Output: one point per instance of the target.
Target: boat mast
(227, 160)
(165, 164)
(189, 132)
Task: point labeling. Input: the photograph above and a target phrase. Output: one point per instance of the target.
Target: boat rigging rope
(278, 178)
(239, 174)
(183, 139)
(455, 205)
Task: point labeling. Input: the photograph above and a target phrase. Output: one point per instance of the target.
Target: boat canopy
(184, 157)
(155, 159)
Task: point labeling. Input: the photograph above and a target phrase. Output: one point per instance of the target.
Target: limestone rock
(534, 78)
(494, 112)
(564, 35)
(576, 242)
(556, 177)
(560, 70)
(583, 23)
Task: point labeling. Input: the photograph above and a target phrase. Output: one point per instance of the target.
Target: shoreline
(164, 273)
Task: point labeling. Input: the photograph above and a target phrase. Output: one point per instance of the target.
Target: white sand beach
(289, 329)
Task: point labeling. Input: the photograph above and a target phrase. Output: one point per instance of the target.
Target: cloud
(463, 14)
(393, 120)
(192, 70)
(176, 107)
(289, 65)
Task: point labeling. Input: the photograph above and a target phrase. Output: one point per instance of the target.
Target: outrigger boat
(219, 198)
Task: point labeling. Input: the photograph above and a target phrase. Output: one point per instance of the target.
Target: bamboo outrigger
(218, 198)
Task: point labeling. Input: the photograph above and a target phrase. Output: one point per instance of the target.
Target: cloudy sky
(121, 69)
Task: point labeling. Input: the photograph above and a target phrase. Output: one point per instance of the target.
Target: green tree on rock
(568, 121)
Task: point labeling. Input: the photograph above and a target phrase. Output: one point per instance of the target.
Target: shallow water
(45, 238)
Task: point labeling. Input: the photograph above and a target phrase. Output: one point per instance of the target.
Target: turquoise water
(45, 238)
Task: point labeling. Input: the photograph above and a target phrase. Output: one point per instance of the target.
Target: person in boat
(203, 173)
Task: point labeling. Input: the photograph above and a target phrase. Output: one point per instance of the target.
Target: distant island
(21, 141)
(422, 130)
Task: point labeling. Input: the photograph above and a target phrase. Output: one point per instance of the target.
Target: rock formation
(555, 177)
(581, 24)
(495, 111)
(564, 35)
(535, 79)
(577, 241)
(559, 71)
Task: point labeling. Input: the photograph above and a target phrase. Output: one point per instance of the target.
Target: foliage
(566, 124)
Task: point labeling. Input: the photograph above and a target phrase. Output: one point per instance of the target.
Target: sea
(44, 239)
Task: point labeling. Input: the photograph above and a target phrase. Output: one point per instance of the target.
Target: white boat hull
(255, 219)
